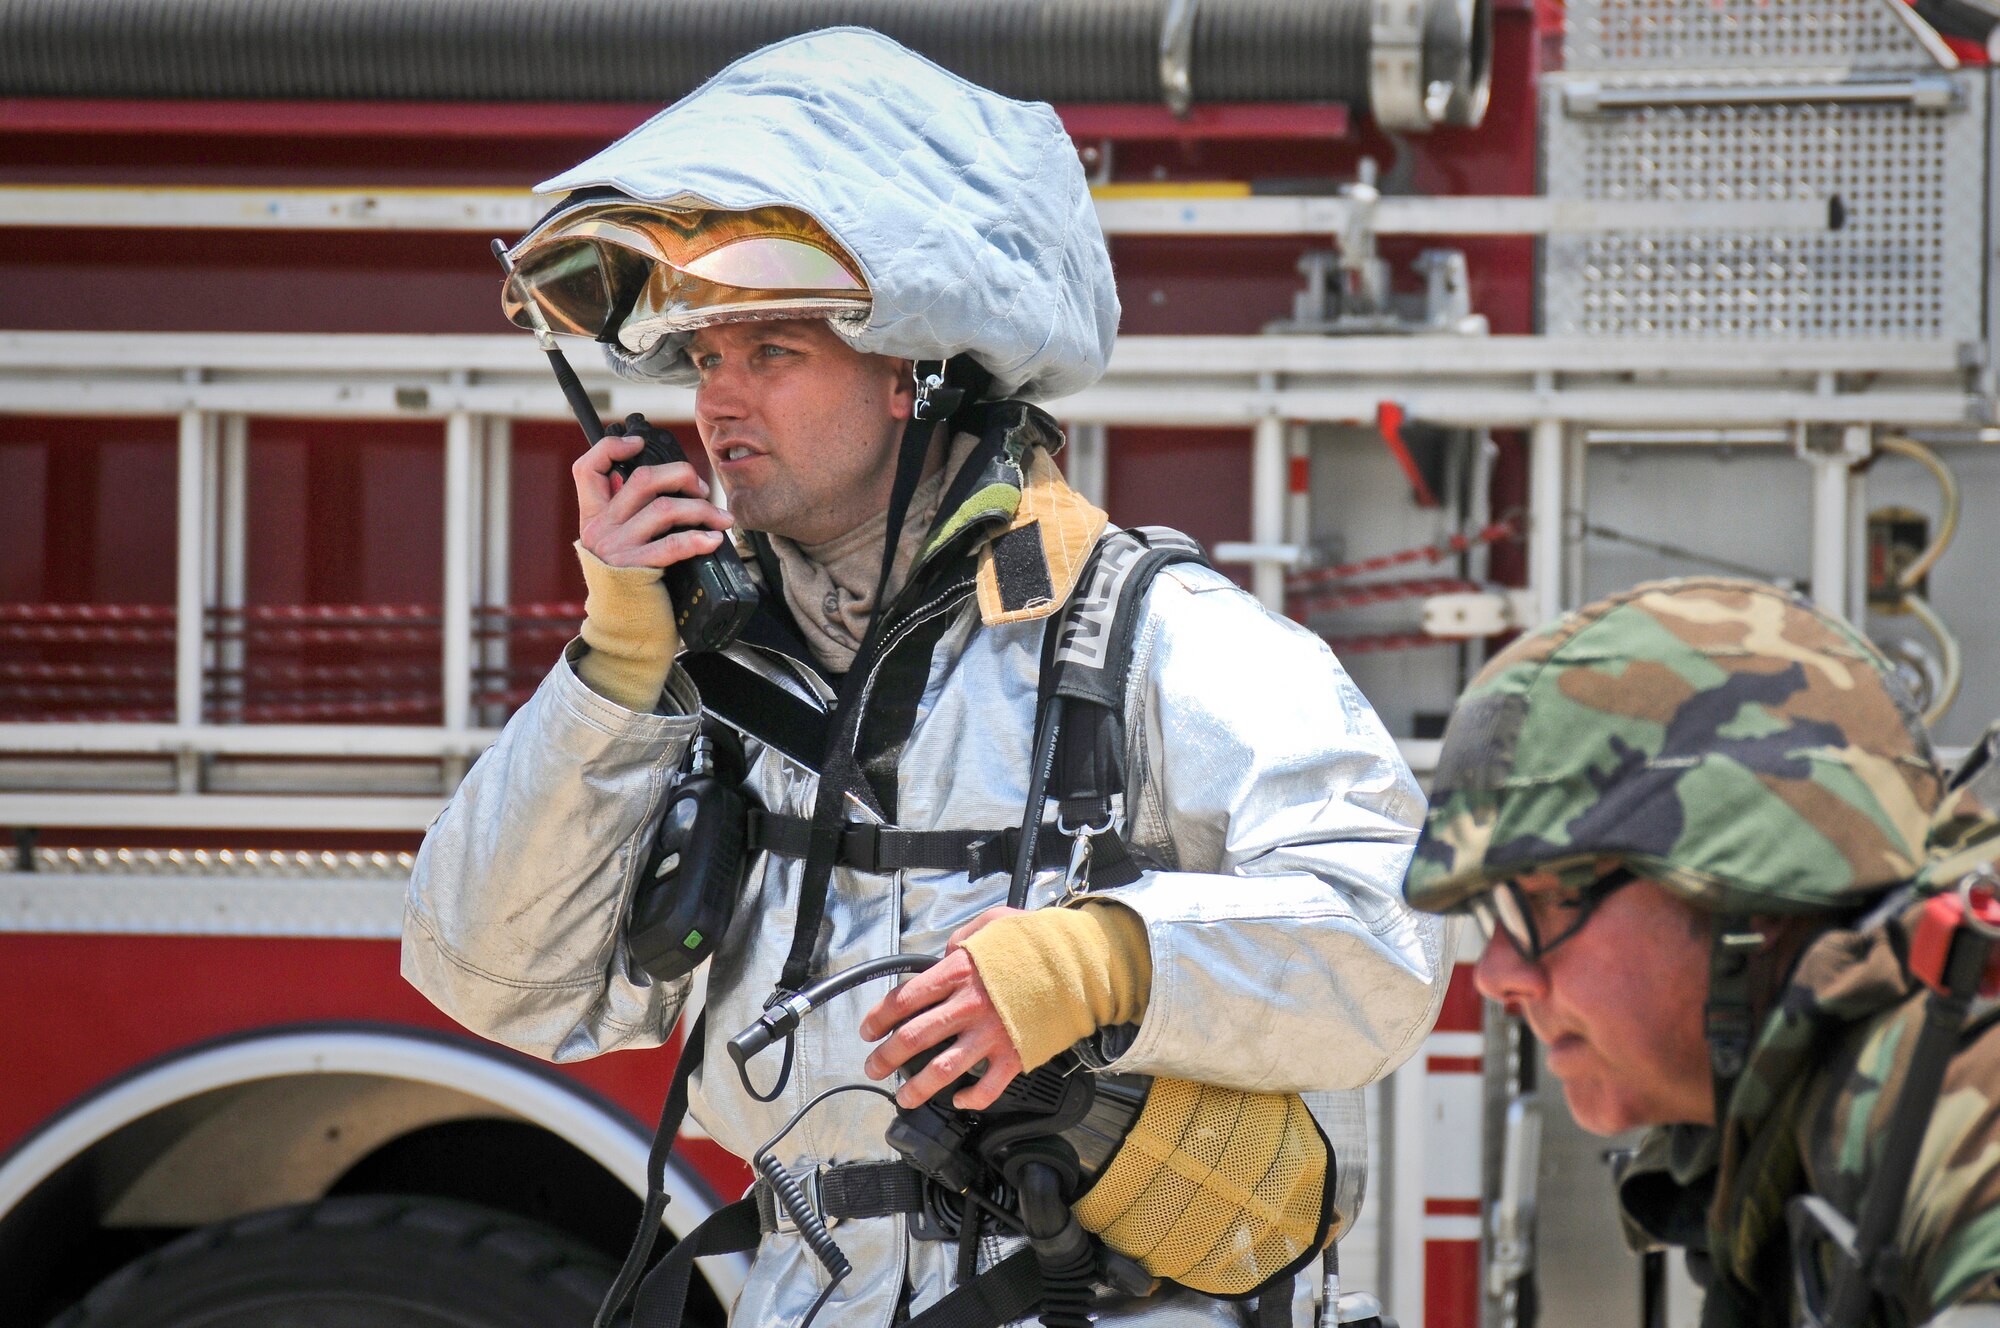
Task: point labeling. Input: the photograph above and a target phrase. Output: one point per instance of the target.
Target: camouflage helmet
(1723, 737)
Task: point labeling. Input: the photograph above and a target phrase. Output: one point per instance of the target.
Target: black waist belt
(859, 1189)
(879, 848)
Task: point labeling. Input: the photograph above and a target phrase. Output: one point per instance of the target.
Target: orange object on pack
(1938, 927)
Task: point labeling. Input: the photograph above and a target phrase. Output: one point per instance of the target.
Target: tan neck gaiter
(830, 586)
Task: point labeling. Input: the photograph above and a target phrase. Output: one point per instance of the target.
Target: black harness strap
(857, 1189)
(839, 773)
(672, 1112)
(754, 705)
(663, 1295)
(1274, 1303)
(837, 769)
(880, 848)
(958, 383)
(1009, 1290)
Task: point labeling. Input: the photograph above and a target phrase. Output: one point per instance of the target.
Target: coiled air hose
(1953, 660)
(791, 1197)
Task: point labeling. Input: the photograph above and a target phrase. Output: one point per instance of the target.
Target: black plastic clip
(936, 399)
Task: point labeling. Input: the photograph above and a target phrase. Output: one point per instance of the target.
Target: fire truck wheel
(368, 1261)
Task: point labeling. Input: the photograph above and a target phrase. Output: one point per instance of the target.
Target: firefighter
(837, 243)
(1693, 819)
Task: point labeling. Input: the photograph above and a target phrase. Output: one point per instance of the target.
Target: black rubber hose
(780, 1019)
(834, 984)
(656, 50)
(1064, 1255)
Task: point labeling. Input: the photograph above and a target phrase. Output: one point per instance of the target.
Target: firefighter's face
(1619, 1007)
(801, 428)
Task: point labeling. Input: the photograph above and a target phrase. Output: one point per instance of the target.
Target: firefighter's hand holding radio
(964, 699)
(629, 531)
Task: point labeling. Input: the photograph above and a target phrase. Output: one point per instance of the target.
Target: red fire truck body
(173, 1059)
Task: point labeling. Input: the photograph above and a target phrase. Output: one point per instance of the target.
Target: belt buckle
(809, 1181)
(863, 848)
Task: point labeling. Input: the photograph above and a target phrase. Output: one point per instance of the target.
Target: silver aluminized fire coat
(1262, 783)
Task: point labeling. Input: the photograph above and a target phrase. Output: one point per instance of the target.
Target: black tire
(368, 1261)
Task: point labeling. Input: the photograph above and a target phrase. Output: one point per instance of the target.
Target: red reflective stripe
(1451, 1283)
(1434, 1207)
(1301, 474)
(250, 118)
(163, 117)
(1455, 1064)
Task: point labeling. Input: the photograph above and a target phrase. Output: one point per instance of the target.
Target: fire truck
(1440, 317)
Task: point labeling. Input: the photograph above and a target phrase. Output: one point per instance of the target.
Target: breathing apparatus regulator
(1104, 1175)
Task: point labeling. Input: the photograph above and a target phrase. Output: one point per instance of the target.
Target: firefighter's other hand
(626, 523)
(946, 1001)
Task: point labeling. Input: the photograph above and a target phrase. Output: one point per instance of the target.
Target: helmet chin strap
(944, 387)
(1727, 1016)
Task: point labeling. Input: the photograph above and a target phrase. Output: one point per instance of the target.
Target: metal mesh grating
(1906, 265)
(1739, 34)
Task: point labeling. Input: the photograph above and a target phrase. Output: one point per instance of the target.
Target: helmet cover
(1748, 751)
(966, 212)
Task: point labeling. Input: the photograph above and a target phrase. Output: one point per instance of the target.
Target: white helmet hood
(967, 211)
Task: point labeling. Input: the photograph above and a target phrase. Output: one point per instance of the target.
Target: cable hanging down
(1952, 657)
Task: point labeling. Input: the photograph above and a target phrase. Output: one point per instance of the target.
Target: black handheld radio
(713, 596)
(686, 894)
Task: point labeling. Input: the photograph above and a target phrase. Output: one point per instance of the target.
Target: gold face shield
(635, 273)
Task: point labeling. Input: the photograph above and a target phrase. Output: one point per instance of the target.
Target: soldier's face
(800, 427)
(1619, 1007)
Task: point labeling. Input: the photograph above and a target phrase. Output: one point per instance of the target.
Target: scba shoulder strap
(1089, 668)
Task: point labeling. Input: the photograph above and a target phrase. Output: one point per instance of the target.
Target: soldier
(1693, 819)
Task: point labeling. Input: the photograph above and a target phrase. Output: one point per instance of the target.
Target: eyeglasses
(1538, 921)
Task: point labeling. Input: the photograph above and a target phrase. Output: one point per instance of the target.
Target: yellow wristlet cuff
(1057, 975)
(628, 624)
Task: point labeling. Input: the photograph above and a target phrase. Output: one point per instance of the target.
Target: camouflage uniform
(1755, 757)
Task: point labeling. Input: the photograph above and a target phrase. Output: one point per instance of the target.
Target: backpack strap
(672, 1112)
(1088, 667)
